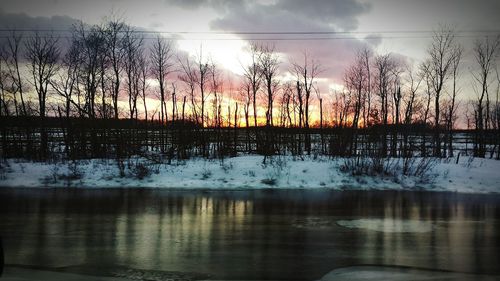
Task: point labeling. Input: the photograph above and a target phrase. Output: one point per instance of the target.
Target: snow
(470, 175)
(388, 273)
(389, 225)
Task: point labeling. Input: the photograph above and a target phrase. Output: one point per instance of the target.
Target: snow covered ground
(387, 273)
(470, 175)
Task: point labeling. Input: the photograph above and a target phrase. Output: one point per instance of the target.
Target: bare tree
(428, 90)
(342, 105)
(202, 76)
(413, 83)
(189, 78)
(42, 53)
(174, 102)
(300, 99)
(286, 98)
(4, 107)
(385, 83)
(397, 95)
(161, 55)
(133, 47)
(65, 84)
(246, 95)
(384, 67)
(441, 55)
(305, 74)
(253, 75)
(12, 57)
(366, 55)
(484, 54)
(216, 91)
(115, 51)
(90, 43)
(143, 77)
(452, 105)
(269, 63)
(320, 99)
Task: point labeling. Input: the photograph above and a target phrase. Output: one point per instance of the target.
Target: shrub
(226, 167)
(206, 174)
(140, 171)
(269, 181)
(383, 166)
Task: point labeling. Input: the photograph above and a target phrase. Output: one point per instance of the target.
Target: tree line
(110, 71)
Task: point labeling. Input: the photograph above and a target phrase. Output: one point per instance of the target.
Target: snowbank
(243, 172)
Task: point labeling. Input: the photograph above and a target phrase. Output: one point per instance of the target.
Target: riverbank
(469, 175)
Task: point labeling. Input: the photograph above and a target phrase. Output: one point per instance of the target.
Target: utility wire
(263, 32)
(307, 35)
(275, 39)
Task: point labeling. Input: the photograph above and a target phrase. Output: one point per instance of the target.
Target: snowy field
(470, 175)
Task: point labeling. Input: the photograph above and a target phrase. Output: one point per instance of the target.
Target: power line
(306, 35)
(263, 32)
(278, 39)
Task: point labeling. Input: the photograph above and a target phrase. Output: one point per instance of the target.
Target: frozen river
(260, 234)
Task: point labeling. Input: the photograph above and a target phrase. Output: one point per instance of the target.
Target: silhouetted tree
(440, 62)
(269, 63)
(484, 54)
(115, 50)
(12, 57)
(65, 83)
(253, 76)
(452, 104)
(305, 74)
(161, 67)
(133, 46)
(42, 53)
(413, 84)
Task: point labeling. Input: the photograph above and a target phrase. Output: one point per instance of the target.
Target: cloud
(340, 13)
(186, 4)
(373, 39)
(300, 16)
(24, 21)
(58, 25)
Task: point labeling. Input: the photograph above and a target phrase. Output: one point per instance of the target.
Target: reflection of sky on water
(237, 234)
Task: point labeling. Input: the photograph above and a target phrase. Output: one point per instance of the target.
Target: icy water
(263, 234)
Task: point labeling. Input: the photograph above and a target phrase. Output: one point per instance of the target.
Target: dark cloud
(24, 21)
(59, 26)
(340, 13)
(218, 5)
(465, 14)
(187, 4)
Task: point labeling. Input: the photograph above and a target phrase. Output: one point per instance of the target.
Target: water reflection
(259, 234)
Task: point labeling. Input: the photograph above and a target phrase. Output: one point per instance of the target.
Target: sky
(402, 27)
